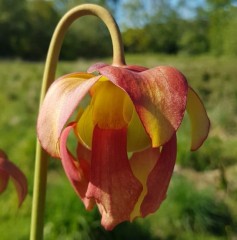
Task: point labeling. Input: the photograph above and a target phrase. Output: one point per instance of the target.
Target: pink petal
(200, 123)
(96, 66)
(159, 96)
(112, 183)
(61, 100)
(17, 176)
(77, 172)
(159, 178)
(134, 68)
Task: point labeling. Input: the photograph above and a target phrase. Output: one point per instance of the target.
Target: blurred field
(202, 199)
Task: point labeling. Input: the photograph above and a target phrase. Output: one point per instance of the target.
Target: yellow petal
(138, 139)
(200, 122)
(142, 164)
(112, 108)
(84, 128)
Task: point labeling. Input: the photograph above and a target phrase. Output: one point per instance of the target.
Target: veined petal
(60, 101)
(142, 164)
(112, 183)
(17, 176)
(200, 122)
(159, 96)
(77, 172)
(159, 178)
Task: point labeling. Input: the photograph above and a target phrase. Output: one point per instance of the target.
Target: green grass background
(202, 198)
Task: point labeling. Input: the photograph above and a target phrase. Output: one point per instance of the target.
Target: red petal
(73, 169)
(62, 98)
(112, 183)
(159, 96)
(84, 156)
(4, 178)
(17, 176)
(159, 178)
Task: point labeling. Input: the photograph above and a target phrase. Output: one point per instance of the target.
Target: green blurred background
(199, 39)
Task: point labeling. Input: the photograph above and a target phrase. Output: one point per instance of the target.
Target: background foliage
(26, 27)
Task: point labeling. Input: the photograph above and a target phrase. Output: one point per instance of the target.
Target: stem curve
(41, 159)
(63, 25)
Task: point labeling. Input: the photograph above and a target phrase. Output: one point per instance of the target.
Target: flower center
(111, 108)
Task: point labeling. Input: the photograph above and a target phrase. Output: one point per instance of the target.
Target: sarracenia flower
(7, 170)
(125, 120)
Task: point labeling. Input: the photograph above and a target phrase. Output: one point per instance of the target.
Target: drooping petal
(17, 176)
(60, 101)
(200, 122)
(142, 164)
(77, 172)
(159, 178)
(4, 179)
(137, 138)
(112, 182)
(159, 96)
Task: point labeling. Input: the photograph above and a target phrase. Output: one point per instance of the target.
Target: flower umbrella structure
(124, 119)
(10, 170)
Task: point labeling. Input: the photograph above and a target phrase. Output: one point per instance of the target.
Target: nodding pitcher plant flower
(124, 120)
(114, 128)
(7, 170)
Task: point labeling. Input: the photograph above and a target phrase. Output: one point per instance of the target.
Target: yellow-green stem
(40, 179)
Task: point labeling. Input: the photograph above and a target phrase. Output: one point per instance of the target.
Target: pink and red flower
(125, 127)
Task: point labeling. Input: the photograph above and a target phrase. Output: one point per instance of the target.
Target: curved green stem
(62, 27)
(41, 163)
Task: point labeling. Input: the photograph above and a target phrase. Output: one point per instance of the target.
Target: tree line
(26, 28)
(212, 28)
